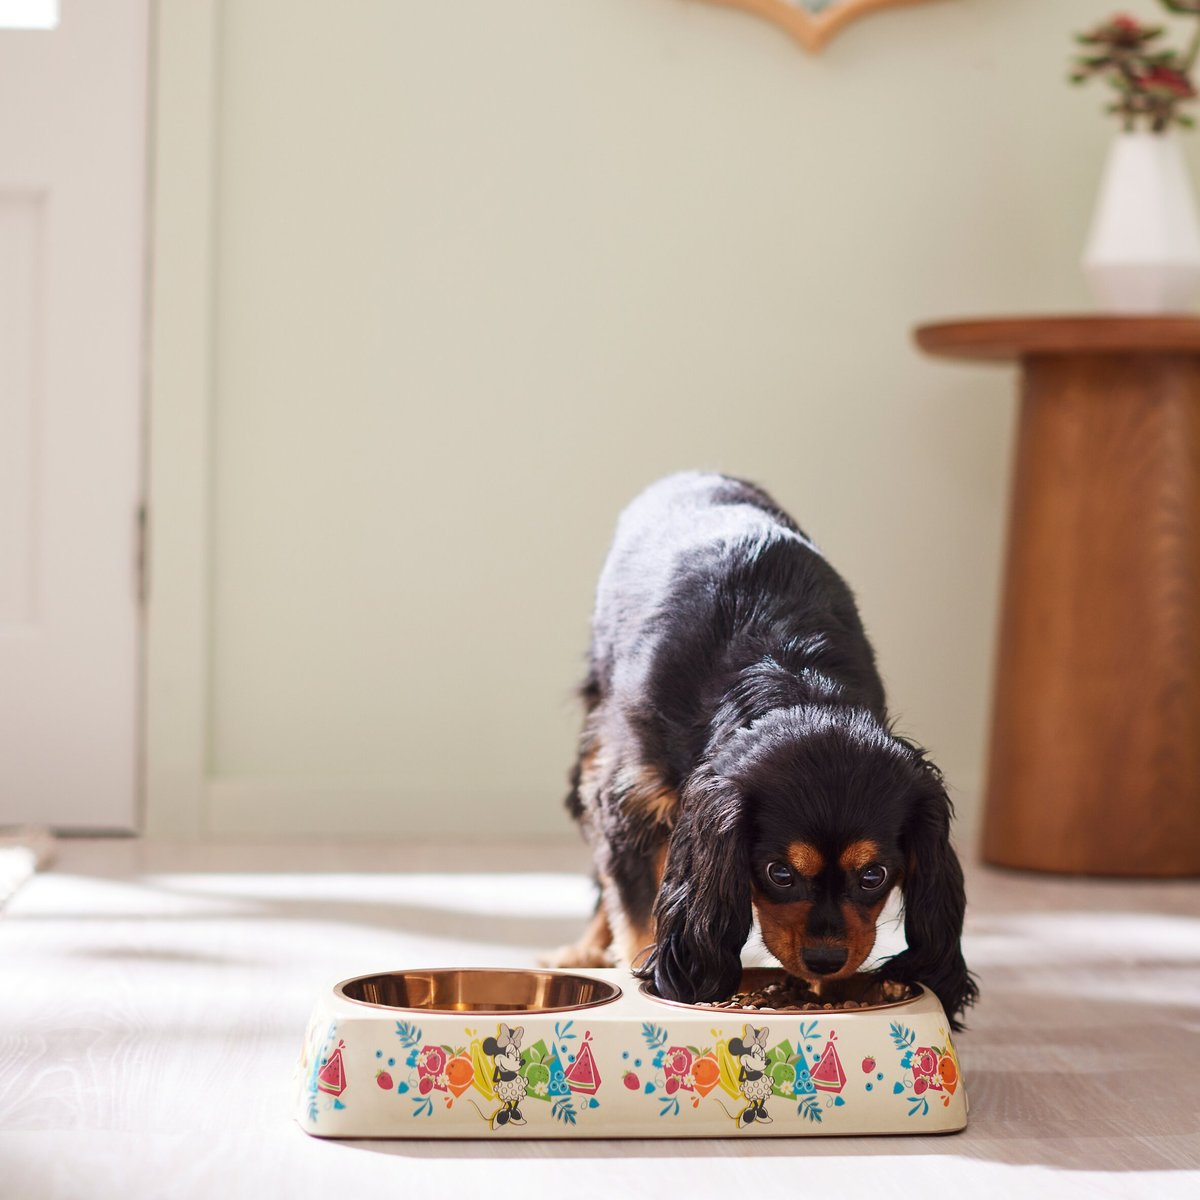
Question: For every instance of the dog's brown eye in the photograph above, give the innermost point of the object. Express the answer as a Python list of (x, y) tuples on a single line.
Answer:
[(872, 878), (780, 875)]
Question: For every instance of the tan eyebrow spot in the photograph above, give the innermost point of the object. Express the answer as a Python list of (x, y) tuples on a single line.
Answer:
[(806, 859), (858, 855)]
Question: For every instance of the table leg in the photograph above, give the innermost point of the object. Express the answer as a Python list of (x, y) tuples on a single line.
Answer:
[(1095, 752)]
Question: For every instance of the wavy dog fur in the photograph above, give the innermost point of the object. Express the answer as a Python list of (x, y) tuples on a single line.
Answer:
[(736, 735)]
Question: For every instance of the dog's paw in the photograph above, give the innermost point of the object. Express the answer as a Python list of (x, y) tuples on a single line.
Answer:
[(578, 954)]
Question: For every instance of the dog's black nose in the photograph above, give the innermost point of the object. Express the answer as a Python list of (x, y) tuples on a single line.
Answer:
[(824, 960)]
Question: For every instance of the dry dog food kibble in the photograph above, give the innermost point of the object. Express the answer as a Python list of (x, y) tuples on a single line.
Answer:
[(790, 994)]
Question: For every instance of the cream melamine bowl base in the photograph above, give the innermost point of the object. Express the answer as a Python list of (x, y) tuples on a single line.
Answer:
[(576, 1054)]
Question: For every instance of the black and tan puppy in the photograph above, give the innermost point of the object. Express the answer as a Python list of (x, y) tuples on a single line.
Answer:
[(736, 757)]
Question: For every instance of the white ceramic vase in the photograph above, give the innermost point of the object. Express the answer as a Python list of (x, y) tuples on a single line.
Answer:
[(1143, 250)]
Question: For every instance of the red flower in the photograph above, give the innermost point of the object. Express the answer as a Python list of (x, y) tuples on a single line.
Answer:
[(1168, 79), (1122, 32)]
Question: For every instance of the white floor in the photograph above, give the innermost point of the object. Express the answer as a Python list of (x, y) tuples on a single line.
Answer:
[(152, 998)]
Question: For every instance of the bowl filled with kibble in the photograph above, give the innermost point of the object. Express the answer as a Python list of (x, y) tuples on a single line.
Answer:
[(768, 989), (450, 1053)]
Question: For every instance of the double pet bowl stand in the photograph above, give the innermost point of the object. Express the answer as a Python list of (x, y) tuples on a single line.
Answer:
[(547, 1054)]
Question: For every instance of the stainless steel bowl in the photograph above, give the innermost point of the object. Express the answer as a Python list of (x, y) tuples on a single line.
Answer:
[(479, 990)]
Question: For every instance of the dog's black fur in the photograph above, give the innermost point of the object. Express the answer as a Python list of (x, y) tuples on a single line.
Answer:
[(734, 713)]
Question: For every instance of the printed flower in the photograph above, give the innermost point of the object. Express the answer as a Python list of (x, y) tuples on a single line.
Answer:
[(540, 1088)]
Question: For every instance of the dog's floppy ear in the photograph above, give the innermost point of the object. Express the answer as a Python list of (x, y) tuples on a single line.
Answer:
[(703, 913), (934, 901)]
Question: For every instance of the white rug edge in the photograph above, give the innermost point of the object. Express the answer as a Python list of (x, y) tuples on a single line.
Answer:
[(22, 853)]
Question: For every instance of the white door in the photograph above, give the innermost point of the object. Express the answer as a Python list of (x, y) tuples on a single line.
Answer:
[(72, 262)]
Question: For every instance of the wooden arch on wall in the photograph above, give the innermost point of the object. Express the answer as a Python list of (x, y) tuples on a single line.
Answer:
[(812, 24)]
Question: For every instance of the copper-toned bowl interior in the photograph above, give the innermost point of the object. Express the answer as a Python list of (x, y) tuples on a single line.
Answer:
[(856, 988), (479, 991)]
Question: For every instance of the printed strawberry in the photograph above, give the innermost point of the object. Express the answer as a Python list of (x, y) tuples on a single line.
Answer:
[(384, 1080)]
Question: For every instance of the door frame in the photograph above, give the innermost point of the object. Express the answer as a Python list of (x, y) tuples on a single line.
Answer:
[(183, 243)]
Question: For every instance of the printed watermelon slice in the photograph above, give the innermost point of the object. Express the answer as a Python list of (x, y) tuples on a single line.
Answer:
[(331, 1077), (828, 1074), (582, 1075)]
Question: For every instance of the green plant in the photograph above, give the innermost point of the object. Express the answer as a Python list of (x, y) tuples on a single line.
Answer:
[(1152, 83)]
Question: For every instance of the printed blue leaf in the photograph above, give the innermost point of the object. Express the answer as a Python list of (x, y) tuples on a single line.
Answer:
[(654, 1035), (409, 1035)]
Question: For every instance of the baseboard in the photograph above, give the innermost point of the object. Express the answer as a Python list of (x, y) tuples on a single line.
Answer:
[(236, 808)]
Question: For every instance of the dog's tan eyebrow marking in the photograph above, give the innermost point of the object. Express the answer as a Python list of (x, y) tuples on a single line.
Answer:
[(806, 859), (858, 855)]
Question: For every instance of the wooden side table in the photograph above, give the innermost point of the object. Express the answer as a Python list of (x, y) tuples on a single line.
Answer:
[(1095, 745)]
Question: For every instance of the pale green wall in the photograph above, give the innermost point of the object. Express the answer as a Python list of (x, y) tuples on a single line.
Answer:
[(483, 269)]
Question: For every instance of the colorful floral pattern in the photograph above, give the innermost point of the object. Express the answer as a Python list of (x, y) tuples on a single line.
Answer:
[(796, 1076), (804, 1068), (927, 1069), (559, 1071)]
